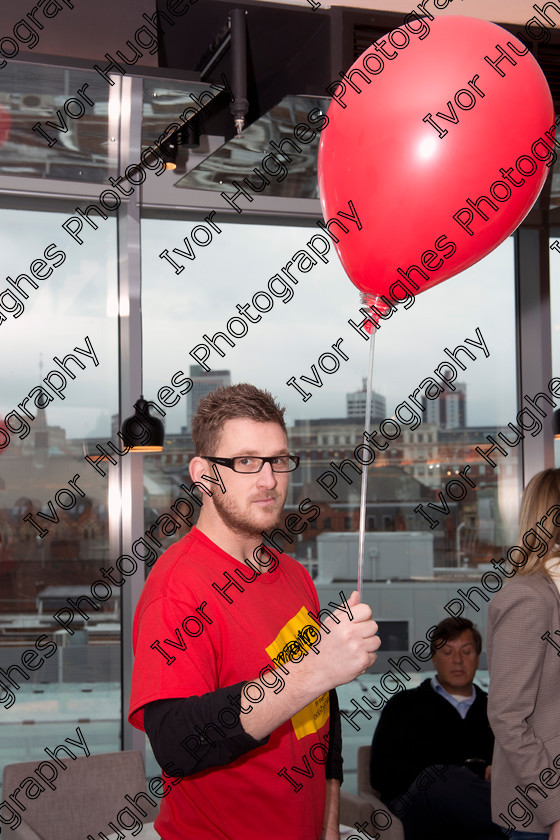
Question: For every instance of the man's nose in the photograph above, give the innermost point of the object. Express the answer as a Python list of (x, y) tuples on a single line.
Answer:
[(267, 478)]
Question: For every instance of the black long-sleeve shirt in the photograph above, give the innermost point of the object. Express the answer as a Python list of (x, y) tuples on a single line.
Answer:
[(169, 722), (418, 728)]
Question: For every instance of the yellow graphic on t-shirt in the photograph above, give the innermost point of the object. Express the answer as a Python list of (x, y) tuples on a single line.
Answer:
[(294, 641)]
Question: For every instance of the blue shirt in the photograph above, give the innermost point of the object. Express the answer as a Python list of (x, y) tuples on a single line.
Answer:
[(462, 706)]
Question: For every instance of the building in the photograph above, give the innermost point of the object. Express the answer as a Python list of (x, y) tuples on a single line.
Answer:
[(449, 411), (356, 405), (204, 382)]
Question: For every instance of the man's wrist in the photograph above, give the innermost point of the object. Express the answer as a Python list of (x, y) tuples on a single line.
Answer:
[(299, 690)]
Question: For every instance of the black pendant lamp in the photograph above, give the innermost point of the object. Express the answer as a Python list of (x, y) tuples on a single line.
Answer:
[(168, 150), (142, 432)]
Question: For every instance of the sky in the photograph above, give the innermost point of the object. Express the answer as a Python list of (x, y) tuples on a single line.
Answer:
[(79, 299), (291, 337)]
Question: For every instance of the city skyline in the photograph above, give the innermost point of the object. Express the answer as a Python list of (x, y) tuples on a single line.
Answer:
[(204, 383)]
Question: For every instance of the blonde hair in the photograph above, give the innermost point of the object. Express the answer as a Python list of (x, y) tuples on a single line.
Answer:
[(541, 495)]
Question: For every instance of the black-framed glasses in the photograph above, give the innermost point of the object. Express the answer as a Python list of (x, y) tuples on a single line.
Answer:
[(254, 464)]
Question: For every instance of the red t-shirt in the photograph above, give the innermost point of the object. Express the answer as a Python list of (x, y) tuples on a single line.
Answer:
[(246, 799)]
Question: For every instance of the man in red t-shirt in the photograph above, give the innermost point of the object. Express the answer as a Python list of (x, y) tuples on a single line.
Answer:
[(235, 665)]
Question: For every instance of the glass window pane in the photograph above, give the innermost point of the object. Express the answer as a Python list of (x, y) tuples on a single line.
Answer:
[(52, 130), (250, 308), (238, 158), (58, 331)]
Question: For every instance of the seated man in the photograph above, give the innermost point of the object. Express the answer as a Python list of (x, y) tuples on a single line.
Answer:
[(427, 740)]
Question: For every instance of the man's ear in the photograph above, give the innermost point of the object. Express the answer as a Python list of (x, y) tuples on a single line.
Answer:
[(199, 472), (197, 467)]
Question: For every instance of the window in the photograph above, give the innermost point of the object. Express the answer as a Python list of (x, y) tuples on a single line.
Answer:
[(54, 504), (39, 573), (405, 477)]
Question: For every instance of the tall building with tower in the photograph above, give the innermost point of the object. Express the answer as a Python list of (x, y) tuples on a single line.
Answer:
[(356, 405), (449, 411), (204, 382)]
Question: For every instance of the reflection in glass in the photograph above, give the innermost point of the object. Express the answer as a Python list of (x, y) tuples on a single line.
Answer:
[(238, 158), (54, 121), (54, 130), (53, 505)]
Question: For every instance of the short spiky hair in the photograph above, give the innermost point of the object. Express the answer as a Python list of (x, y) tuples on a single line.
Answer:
[(231, 402)]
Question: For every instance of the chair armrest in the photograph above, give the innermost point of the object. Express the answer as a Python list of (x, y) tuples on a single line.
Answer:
[(24, 832), (359, 808)]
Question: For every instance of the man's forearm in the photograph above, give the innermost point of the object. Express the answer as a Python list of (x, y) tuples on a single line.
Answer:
[(331, 819), (301, 687), (187, 735)]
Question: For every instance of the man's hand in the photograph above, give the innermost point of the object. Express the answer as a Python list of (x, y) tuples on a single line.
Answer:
[(554, 831), (488, 773), (346, 649)]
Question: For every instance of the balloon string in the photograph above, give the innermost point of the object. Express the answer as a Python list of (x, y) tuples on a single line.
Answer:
[(363, 493)]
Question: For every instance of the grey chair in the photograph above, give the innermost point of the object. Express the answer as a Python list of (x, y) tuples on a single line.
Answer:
[(359, 808), (88, 795)]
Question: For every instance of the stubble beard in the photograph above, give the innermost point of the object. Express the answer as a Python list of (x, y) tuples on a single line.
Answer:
[(241, 524)]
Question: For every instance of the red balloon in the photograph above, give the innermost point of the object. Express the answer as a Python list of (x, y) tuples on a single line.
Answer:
[(5, 124), (438, 152)]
